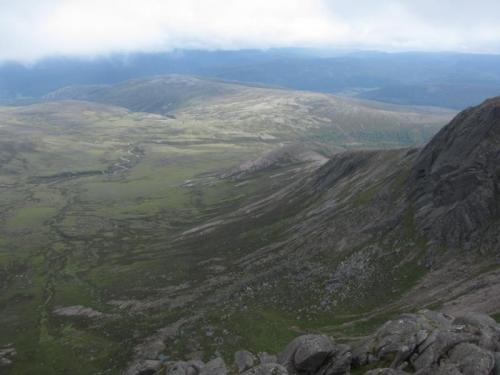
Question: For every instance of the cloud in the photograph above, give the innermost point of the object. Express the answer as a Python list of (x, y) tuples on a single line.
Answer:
[(31, 29)]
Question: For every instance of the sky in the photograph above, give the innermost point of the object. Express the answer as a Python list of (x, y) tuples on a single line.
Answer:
[(33, 29)]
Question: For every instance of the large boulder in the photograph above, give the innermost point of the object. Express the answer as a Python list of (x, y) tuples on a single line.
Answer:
[(306, 354)]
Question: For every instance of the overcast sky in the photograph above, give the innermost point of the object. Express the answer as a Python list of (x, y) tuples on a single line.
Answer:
[(31, 29)]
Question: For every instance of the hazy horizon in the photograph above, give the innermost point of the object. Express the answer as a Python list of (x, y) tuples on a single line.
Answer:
[(33, 30)]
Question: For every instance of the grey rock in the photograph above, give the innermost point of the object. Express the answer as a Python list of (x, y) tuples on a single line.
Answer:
[(267, 358), (244, 360), (425, 343), (306, 353), (484, 326), (339, 362), (438, 345), (472, 360), (397, 340), (267, 369), (434, 343), (214, 367)]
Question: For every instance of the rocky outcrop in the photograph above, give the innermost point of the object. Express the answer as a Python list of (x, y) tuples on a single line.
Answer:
[(434, 343), (424, 343), (455, 181)]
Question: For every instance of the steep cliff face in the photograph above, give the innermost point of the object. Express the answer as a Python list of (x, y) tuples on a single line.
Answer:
[(455, 183)]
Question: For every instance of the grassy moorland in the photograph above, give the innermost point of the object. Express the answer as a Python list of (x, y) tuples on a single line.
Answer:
[(98, 204)]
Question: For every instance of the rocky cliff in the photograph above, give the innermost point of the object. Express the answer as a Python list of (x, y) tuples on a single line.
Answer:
[(455, 182)]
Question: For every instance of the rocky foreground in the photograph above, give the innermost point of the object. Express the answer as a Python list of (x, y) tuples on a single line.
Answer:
[(424, 343)]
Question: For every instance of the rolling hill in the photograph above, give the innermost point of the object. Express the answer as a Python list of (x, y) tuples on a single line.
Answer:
[(224, 108)]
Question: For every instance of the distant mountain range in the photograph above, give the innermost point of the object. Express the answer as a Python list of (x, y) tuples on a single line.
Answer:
[(434, 79)]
